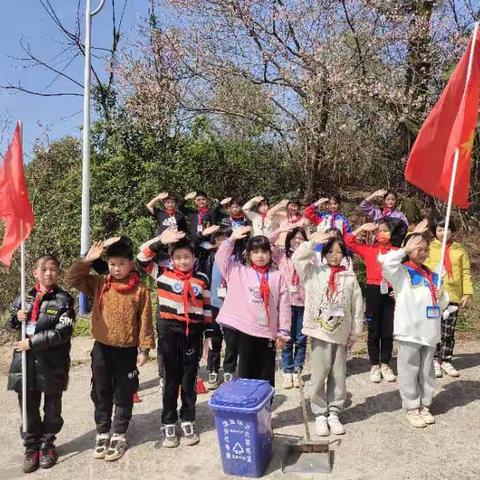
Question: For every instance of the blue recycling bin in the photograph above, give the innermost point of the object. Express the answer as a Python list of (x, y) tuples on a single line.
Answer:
[(242, 410)]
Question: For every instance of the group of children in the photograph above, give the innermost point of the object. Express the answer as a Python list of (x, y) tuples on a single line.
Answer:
[(259, 278)]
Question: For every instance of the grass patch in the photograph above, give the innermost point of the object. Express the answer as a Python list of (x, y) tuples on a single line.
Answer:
[(82, 327)]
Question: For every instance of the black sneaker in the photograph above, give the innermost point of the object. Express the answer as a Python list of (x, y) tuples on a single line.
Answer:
[(31, 461), (48, 456), (117, 447)]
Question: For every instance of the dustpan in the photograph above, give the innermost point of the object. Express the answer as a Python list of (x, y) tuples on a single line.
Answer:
[(306, 456)]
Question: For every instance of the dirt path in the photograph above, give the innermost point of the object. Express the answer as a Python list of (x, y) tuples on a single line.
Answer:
[(378, 444)]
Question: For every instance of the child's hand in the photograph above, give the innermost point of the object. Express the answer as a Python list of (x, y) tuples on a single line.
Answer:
[(258, 199), (190, 196), (226, 201), (320, 237), (95, 252), (142, 359), (281, 342), (239, 233), (162, 196), (466, 300), (22, 315), (369, 227), (210, 230), (169, 236), (322, 201), (22, 345), (422, 227), (207, 346), (110, 241), (379, 193), (412, 244), (284, 203)]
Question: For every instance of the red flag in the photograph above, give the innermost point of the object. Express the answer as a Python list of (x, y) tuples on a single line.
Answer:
[(450, 125), (15, 208)]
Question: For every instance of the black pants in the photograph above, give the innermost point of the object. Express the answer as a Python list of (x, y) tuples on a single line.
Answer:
[(114, 381), (231, 350), (181, 355), (213, 358), (257, 357), (41, 431), (380, 309)]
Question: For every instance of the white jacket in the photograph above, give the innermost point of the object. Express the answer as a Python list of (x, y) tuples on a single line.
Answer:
[(412, 297), (334, 321)]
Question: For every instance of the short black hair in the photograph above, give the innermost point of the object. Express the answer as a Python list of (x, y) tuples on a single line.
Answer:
[(328, 245), (258, 242), (391, 192), (184, 243), (171, 196), (440, 222), (295, 201), (222, 232), (47, 257), (290, 235), (201, 194), (235, 201), (123, 248), (264, 201), (335, 197)]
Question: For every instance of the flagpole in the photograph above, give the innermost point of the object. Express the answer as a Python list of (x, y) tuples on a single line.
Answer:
[(84, 234), (23, 307), (454, 167)]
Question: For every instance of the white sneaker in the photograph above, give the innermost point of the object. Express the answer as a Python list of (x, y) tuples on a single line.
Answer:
[(415, 419), (335, 426), (102, 441), (375, 375), (170, 439), (287, 381), (449, 369), (295, 379), (321, 426), (438, 369), (428, 418), (227, 377), (387, 373), (212, 383), (190, 435)]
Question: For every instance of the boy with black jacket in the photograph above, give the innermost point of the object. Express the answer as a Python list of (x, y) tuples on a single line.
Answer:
[(50, 317), (169, 216)]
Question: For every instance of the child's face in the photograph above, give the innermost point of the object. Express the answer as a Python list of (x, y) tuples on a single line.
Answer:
[(440, 232), (183, 260), (333, 205), (383, 234), (201, 201), (390, 201), (170, 204), (334, 256), (120, 267), (260, 257), (235, 210), (419, 255), (296, 241), (46, 273), (263, 207), (292, 209)]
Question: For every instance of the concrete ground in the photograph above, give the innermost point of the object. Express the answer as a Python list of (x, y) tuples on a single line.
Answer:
[(379, 444)]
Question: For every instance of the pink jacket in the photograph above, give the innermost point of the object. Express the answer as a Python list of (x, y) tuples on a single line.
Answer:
[(243, 308)]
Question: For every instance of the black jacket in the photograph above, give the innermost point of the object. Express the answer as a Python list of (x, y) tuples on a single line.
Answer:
[(208, 219), (164, 220), (48, 360)]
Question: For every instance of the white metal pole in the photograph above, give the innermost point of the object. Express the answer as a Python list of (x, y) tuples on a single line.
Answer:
[(85, 227)]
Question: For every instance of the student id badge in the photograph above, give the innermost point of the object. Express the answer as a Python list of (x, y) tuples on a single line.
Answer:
[(262, 316), (293, 289), (221, 292), (384, 287), (433, 312), (30, 329), (199, 228)]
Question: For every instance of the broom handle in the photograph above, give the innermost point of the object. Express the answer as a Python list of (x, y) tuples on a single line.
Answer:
[(304, 407)]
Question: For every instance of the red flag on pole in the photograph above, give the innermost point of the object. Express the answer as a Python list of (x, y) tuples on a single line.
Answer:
[(450, 125), (15, 208)]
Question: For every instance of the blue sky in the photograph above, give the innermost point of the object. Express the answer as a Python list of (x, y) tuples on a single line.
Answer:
[(49, 117)]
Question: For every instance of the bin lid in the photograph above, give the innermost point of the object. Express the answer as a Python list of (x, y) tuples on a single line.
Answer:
[(241, 393)]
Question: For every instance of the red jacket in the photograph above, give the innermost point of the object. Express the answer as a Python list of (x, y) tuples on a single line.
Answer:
[(369, 254)]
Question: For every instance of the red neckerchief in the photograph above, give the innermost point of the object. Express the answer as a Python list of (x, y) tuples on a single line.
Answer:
[(295, 219), (333, 216), (264, 287), (427, 275), (387, 211), (295, 278), (133, 281), (38, 300), (171, 212), (264, 216), (332, 285), (187, 291), (447, 262), (201, 213)]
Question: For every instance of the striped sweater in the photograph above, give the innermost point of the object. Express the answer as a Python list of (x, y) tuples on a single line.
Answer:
[(171, 310)]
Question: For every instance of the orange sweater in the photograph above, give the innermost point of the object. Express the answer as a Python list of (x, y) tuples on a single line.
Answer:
[(124, 319)]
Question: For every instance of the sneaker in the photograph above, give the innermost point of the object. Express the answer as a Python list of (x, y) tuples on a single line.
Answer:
[(170, 439), (102, 441), (116, 448), (375, 375), (190, 436), (415, 419), (48, 456), (387, 373), (335, 426), (295, 379), (31, 461), (227, 377), (321, 426), (212, 383), (438, 369), (449, 369), (428, 418), (287, 381)]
